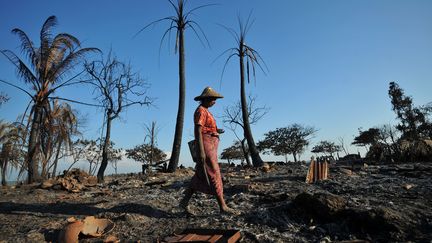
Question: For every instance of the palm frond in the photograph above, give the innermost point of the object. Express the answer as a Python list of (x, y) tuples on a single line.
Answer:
[(61, 44), (196, 8), (75, 101), (57, 72), (254, 55), (66, 39), (198, 36), (54, 57), (259, 59), (192, 23), (232, 32), (223, 53), (46, 38), (176, 7), (22, 69), (45, 33), (13, 85), (226, 63), (253, 58), (27, 46), (172, 18), (168, 31), (248, 24)]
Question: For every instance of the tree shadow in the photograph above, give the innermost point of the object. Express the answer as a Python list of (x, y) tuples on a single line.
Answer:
[(81, 209), (77, 209)]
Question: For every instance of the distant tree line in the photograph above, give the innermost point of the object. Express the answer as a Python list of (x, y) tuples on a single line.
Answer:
[(409, 140)]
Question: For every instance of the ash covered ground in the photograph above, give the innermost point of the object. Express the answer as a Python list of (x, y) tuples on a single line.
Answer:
[(372, 203)]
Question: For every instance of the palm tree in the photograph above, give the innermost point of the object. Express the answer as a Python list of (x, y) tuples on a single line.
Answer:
[(49, 65), (64, 125), (180, 22), (243, 51), (3, 160), (11, 154)]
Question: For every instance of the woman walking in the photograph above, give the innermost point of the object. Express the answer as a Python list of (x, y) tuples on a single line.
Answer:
[(207, 178)]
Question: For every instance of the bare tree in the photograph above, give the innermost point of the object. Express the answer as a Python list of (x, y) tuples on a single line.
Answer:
[(152, 132), (87, 150), (233, 118), (118, 88), (343, 145), (252, 58), (179, 23)]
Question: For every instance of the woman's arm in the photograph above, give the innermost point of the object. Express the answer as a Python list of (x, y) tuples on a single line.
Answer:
[(200, 143)]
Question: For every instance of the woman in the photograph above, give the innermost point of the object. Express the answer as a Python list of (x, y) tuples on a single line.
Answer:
[(207, 177)]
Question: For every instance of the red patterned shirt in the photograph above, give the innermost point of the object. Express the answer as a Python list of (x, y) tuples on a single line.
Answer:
[(205, 119)]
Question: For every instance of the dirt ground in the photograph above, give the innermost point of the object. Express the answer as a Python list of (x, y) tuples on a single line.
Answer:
[(372, 203)]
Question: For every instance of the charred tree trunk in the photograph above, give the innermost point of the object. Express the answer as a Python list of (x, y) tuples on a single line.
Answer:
[(32, 163), (104, 163), (175, 154), (152, 142), (3, 171), (295, 156), (46, 143), (4, 161), (256, 159), (56, 159), (245, 152), (46, 158)]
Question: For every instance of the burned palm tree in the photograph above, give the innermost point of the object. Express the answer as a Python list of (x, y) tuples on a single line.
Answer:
[(11, 154), (179, 23), (64, 125), (49, 65), (253, 59)]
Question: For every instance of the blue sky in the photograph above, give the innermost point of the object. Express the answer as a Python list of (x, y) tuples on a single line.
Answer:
[(329, 62)]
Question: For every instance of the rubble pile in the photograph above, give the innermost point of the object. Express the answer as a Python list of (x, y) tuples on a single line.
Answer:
[(74, 180)]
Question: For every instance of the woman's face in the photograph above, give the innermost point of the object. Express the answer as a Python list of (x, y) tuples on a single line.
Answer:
[(208, 102)]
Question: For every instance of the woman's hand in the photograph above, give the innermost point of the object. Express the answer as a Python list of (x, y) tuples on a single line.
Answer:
[(202, 156)]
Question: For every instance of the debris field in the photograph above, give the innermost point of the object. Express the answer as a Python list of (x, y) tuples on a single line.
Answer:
[(362, 203)]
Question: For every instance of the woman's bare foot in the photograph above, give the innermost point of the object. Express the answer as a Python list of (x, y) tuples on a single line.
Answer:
[(228, 210), (185, 208)]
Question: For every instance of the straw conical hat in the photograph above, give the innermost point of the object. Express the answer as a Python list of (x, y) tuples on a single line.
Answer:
[(208, 93)]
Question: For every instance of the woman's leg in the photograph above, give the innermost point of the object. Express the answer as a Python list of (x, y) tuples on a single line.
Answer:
[(186, 198), (221, 202), (223, 207)]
